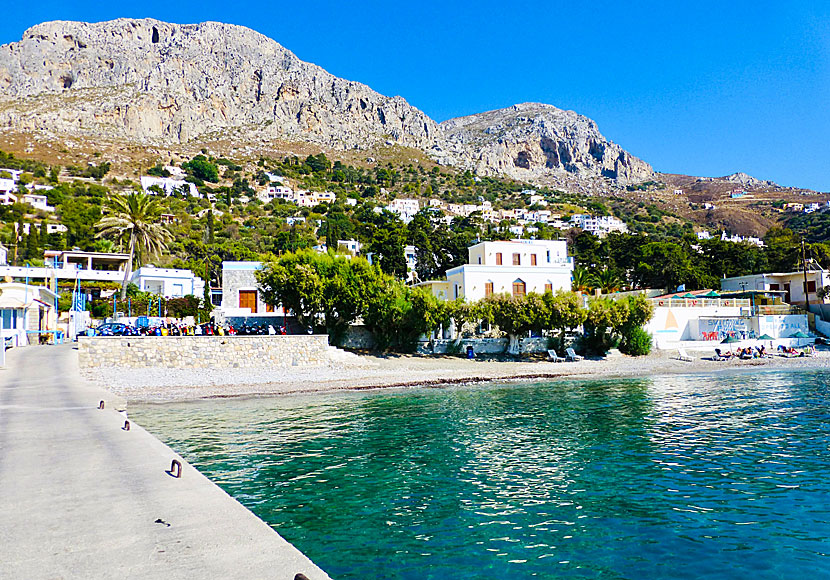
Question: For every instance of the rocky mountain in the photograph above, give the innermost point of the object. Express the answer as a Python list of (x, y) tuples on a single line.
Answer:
[(533, 141), (152, 82), (745, 180)]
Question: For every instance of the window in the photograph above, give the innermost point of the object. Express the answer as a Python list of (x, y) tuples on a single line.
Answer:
[(519, 288), (774, 287), (479, 259), (488, 289), (811, 286), (498, 259), (548, 287), (269, 308), (247, 299), (517, 259), (532, 259)]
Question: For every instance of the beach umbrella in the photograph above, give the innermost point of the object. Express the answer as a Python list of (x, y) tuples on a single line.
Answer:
[(799, 334), (765, 337), (729, 340), (688, 295), (711, 294)]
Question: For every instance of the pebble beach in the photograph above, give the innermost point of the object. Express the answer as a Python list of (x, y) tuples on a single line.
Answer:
[(162, 385)]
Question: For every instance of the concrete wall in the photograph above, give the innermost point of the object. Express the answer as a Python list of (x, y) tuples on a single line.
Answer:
[(203, 351), (673, 324)]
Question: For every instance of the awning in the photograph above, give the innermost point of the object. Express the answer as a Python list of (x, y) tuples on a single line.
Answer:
[(12, 302)]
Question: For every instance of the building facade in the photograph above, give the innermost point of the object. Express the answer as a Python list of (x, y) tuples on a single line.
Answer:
[(25, 311), (515, 267), (789, 284), (168, 282)]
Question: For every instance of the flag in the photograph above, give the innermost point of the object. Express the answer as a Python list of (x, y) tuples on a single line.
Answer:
[(681, 288)]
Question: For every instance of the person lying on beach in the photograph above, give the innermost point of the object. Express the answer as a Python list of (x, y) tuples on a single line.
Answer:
[(722, 355)]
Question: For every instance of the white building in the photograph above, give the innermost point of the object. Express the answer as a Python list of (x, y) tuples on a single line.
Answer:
[(25, 312), (50, 228), (600, 226), (107, 267), (273, 192), (168, 282), (7, 187), (516, 267), (38, 201), (351, 246), (241, 295), (404, 208), (168, 185), (790, 284)]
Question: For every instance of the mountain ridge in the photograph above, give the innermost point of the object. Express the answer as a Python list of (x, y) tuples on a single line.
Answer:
[(150, 81)]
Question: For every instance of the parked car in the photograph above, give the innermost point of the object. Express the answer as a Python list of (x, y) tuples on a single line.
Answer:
[(111, 329)]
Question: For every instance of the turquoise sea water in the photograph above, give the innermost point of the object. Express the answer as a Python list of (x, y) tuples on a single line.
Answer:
[(712, 476)]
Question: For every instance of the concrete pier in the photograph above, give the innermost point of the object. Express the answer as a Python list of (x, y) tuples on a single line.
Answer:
[(80, 497)]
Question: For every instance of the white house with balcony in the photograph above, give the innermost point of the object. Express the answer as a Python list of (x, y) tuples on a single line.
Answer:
[(107, 267), (405, 209), (168, 282), (600, 226), (789, 284), (73, 265), (272, 192), (515, 267)]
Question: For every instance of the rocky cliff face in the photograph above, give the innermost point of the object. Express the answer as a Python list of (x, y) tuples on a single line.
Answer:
[(533, 141), (153, 82), (150, 80)]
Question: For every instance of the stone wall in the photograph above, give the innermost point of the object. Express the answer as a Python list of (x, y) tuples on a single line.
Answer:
[(486, 345), (203, 351)]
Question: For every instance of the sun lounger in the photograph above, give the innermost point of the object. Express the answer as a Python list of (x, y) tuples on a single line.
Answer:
[(571, 355), (683, 356), (719, 356), (555, 357)]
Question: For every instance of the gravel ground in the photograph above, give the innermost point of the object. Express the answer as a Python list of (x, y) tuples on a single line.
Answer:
[(159, 385)]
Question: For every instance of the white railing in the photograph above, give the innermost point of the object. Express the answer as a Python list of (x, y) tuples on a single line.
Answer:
[(701, 302)]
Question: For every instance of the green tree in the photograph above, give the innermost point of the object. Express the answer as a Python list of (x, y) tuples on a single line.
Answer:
[(202, 168), (516, 316), (397, 315), (133, 216), (565, 313), (320, 289)]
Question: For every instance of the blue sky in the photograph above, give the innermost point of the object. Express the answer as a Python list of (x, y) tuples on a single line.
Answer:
[(706, 89)]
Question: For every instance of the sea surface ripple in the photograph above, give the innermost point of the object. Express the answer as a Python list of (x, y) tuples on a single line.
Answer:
[(675, 477)]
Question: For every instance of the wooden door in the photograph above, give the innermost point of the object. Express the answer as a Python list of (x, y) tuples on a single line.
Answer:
[(247, 299)]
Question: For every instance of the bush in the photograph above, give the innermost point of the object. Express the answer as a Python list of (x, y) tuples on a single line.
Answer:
[(636, 343)]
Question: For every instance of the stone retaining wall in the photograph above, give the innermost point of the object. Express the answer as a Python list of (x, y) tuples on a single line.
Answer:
[(203, 351)]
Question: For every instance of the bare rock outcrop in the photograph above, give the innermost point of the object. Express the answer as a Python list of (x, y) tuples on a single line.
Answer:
[(154, 81), (151, 82), (746, 180), (532, 140)]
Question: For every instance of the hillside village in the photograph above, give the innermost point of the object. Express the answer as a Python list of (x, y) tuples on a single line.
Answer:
[(418, 223)]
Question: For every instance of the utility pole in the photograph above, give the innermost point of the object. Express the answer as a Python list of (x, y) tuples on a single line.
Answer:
[(804, 266)]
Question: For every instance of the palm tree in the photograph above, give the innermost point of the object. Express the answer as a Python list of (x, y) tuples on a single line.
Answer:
[(581, 280), (134, 215), (608, 281)]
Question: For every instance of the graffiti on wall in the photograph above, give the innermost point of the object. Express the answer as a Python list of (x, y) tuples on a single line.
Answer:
[(721, 328)]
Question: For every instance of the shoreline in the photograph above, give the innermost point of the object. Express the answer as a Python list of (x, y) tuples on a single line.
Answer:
[(161, 386)]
